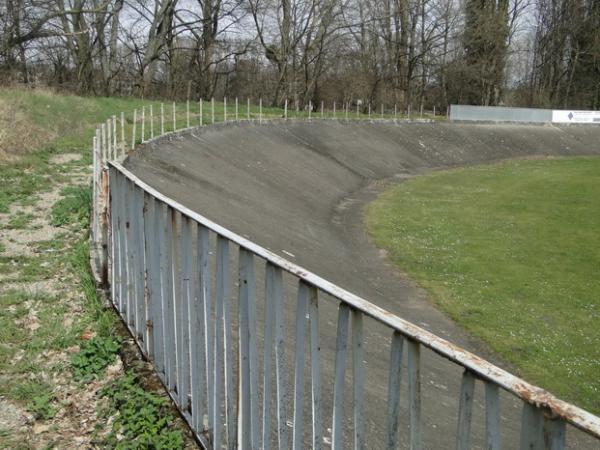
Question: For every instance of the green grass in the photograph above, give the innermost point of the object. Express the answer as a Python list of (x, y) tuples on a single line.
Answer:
[(511, 252), (73, 208)]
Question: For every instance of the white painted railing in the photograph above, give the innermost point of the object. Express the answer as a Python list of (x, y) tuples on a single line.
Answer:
[(169, 274)]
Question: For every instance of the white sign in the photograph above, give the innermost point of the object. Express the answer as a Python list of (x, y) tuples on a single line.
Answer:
[(570, 116)]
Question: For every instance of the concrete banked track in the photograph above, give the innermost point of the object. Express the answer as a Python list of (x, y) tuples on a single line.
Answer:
[(299, 188)]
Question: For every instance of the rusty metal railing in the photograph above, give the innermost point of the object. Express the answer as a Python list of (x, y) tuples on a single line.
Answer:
[(170, 274)]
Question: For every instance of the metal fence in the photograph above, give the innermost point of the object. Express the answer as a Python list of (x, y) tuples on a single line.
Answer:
[(172, 276)]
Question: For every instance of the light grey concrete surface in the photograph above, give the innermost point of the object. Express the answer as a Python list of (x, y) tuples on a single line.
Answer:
[(299, 189)]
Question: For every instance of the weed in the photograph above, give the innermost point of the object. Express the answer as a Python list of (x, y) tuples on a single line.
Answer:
[(144, 420), (19, 221), (41, 407), (93, 357), (73, 208)]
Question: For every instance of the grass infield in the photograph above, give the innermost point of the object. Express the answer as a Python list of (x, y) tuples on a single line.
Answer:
[(511, 252)]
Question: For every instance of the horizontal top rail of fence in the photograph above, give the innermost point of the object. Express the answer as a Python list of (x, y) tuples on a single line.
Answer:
[(157, 262)]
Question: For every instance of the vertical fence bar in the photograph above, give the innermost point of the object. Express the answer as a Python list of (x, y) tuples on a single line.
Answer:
[(554, 433), (187, 113), (315, 364), (358, 375), (248, 420), (123, 144), (236, 109), (309, 109), (174, 117), (273, 292), (204, 286), (129, 248), (212, 109), (185, 298), (297, 438), (140, 281), (133, 129), (199, 387), (285, 109), (347, 108), (224, 283), (395, 110), (334, 109), (143, 123), (248, 107), (109, 151), (382, 110), (492, 417), (341, 349), (151, 122), (260, 110), (103, 142), (465, 412), (220, 365), (169, 335), (224, 109), (152, 257), (369, 110), (414, 388), (176, 305), (282, 433), (162, 119), (322, 108), (394, 382), (200, 112), (274, 339), (121, 211), (114, 231), (532, 428), (114, 133)]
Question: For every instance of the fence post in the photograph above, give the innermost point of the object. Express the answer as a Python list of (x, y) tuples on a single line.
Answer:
[(322, 108), (108, 139), (248, 107), (260, 110), (224, 109), (212, 109), (347, 108), (334, 109), (382, 110), (151, 123), (143, 123), (309, 109), (133, 130), (123, 144), (285, 109), (200, 107), (236, 110), (187, 113), (174, 117), (115, 143)]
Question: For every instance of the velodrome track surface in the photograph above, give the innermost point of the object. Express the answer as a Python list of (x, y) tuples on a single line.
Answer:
[(298, 188)]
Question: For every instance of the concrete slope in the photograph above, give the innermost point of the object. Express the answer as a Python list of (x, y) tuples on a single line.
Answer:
[(299, 188)]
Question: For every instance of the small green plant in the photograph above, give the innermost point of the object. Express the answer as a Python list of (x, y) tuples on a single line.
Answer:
[(41, 406), (144, 421), (19, 221), (74, 207), (93, 357)]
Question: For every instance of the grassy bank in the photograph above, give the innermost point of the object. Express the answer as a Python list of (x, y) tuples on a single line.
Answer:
[(512, 253), (62, 384)]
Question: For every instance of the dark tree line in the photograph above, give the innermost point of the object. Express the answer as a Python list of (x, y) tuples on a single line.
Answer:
[(413, 53)]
